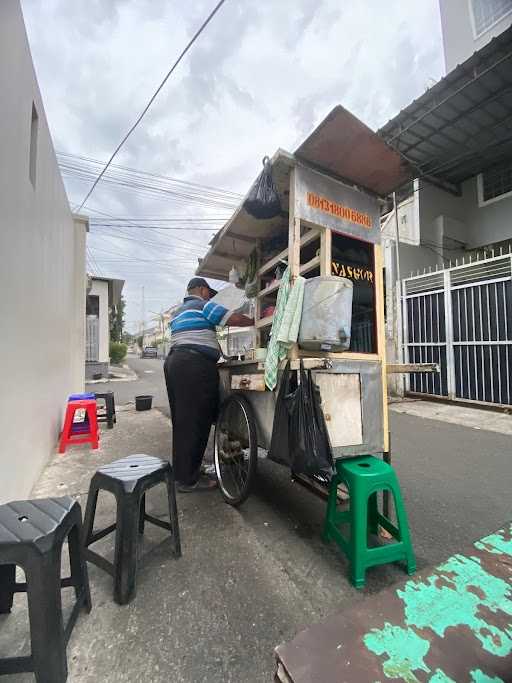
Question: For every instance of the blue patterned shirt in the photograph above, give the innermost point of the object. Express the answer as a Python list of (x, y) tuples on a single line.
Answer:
[(193, 325)]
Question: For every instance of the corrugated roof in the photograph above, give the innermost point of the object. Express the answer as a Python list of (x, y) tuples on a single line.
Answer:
[(463, 124)]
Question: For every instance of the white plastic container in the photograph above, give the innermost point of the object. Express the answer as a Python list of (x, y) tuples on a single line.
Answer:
[(326, 314)]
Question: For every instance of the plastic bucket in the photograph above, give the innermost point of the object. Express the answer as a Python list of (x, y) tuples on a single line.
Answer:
[(143, 402)]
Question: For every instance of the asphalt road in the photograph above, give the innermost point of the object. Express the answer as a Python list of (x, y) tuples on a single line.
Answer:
[(253, 577), (456, 480), (150, 372)]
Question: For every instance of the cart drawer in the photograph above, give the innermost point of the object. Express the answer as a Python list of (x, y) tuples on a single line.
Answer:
[(255, 382)]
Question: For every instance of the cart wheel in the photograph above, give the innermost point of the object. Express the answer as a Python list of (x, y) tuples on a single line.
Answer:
[(236, 449)]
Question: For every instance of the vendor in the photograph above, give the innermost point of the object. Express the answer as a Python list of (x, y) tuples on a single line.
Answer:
[(192, 379)]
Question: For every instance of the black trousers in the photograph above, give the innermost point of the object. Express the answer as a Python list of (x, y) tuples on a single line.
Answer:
[(192, 381)]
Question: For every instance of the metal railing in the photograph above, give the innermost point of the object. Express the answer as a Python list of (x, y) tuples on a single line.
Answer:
[(461, 318), (92, 343)]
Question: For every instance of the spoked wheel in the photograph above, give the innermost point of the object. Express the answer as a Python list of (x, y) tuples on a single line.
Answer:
[(236, 449)]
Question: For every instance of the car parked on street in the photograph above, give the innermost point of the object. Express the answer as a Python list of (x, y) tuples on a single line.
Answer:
[(149, 352)]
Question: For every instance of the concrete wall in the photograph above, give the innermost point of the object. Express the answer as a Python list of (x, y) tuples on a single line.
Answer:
[(459, 40), (100, 289), (451, 225), (42, 275), (489, 223)]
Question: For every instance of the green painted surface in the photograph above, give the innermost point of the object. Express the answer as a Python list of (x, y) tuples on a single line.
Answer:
[(457, 595), (440, 677), (428, 605), (478, 676), (405, 651), (496, 544)]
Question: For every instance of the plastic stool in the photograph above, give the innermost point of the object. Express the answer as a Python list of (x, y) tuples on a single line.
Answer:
[(365, 476), (108, 413), (129, 479), (87, 432), (32, 533)]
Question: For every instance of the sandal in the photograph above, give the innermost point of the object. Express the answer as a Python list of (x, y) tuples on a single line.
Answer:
[(204, 483)]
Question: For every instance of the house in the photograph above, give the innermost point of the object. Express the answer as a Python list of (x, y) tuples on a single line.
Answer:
[(449, 296), (103, 296), (42, 272), (468, 25)]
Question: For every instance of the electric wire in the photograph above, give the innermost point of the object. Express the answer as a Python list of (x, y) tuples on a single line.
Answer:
[(152, 99)]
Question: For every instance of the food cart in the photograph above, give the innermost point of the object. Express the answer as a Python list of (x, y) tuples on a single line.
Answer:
[(329, 225)]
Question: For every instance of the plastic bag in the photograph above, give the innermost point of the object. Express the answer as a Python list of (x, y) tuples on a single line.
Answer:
[(230, 297), (279, 449), (263, 198), (308, 440)]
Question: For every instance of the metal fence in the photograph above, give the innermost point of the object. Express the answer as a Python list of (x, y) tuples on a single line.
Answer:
[(461, 318), (92, 338)]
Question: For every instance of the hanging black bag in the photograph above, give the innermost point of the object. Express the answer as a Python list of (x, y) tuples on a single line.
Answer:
[(263, 198), (308, 440), (279, 448)]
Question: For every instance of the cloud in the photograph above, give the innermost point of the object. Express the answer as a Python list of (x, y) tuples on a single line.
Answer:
[(261, 76)]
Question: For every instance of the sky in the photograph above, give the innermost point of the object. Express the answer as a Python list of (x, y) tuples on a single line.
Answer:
[(262, 75)]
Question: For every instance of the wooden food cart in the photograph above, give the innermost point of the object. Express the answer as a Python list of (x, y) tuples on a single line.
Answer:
[(328, 226)]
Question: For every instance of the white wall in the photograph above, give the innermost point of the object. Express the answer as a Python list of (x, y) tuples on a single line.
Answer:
[(459, 41), (42, 275), (100, 289), (486, 224), (448, 222)]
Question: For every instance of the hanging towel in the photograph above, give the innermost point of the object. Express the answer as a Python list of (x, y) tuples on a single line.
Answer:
[(285, 325)]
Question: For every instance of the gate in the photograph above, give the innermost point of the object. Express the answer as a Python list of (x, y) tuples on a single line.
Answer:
[(461, 318), (92, 340)]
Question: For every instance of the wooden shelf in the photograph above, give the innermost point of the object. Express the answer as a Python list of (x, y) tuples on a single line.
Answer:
[(273, 262), (269, 290), (310, 265), (305, 239), (264, 322)]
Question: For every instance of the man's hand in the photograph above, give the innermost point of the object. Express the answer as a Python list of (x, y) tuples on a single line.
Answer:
[(239, 320)]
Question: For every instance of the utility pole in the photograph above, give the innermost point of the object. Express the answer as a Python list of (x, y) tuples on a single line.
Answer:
[(143, 315)]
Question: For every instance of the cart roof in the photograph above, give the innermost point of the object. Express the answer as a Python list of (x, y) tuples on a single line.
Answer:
[(341, 147)]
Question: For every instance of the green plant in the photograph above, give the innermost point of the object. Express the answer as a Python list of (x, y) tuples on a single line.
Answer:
[(117, 351), (116, 320)]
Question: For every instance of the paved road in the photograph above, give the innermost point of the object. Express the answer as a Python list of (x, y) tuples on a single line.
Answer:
[(253, 577), (456, 480), (151, 381)]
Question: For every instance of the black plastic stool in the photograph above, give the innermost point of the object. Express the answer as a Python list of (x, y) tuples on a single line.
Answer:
[(108, 412), (32, 533), (129, 479)]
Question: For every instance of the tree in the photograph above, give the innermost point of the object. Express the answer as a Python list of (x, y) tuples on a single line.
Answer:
[(116, 321)]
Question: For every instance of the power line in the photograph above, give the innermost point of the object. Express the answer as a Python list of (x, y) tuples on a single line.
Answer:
[(139, 119), (76, 165)]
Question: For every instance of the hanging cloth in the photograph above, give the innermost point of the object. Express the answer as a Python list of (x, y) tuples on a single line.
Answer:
[(285, 325)]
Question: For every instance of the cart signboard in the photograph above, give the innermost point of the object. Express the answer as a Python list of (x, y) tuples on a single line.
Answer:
[(326, 202)]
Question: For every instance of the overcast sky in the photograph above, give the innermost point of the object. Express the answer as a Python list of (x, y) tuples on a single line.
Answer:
[(262, 76)]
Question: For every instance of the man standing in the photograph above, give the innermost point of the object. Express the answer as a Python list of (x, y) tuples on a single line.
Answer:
[(192, 379)]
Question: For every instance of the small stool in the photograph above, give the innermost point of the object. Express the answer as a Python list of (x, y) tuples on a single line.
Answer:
[(129, 479), (85, 432), (365, 476), (32, 533), (108, 412)]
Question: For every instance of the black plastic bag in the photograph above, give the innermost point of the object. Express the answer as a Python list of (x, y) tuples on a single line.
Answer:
[(263, 198), (308, 440), (279, 448)]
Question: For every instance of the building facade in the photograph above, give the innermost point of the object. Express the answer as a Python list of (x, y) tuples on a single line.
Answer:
[(448, 285), (42, 272), (468, 25), (103, 296)]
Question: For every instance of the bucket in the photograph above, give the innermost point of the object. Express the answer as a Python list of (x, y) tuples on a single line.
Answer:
[(143, 402)]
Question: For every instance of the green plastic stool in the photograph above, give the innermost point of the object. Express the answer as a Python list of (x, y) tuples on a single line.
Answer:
[(365, 476)]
